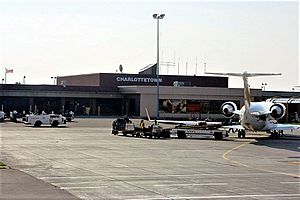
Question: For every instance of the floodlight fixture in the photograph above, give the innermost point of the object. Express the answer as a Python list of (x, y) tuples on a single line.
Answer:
[(161, 16)]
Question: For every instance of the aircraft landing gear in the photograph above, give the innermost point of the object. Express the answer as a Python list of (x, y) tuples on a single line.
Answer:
[(241, 133), (277, 134)]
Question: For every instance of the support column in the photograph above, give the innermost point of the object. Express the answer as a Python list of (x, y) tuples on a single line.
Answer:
[(31, 104), (62, 105), (94, 108)]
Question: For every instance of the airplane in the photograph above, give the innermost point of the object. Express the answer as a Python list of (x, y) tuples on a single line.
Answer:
[(255, 116), (201, 123)]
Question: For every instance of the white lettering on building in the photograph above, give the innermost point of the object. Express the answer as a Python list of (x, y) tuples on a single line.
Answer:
[(138, 80)]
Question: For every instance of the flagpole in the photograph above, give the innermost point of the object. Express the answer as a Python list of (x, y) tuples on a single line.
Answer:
[(5, 77)]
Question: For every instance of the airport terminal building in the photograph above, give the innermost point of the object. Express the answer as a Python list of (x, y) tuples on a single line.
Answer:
[(118, 94)]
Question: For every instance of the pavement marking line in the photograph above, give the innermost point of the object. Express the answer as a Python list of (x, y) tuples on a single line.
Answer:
[(67, 177), (191, 184), (148, 176), (290, 182), (224, 196), (229, 151), (250, 167), (87, 187), (74, 183)]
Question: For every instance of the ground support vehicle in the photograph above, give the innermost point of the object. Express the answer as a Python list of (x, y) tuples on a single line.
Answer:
[(69, 116), (123, 125), (44, 119), (14, 115), (153, 131), (182, 133)]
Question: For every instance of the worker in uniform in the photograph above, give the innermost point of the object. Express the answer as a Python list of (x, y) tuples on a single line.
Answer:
[(142, 125)]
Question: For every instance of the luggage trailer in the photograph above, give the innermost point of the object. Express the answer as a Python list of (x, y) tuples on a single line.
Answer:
[(190, 132)]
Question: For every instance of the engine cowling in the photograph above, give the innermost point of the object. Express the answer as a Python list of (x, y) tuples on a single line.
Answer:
[(228, 108), (277, 110)]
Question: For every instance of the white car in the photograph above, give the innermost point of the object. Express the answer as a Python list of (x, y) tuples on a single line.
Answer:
[(44, 119)]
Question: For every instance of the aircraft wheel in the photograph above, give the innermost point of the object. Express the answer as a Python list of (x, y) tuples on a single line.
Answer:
[(243, 133), (281, 133), (239, 134), (275, 135)]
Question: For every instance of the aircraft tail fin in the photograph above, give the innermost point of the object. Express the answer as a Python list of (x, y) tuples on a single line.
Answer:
[(245, 75)]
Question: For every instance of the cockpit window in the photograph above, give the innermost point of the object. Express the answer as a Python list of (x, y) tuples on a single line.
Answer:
[(262, 117)]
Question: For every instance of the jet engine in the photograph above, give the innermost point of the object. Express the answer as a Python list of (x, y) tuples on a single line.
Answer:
[(228, 108), (277, 110)]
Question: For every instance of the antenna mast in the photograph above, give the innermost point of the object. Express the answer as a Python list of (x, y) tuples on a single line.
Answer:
[(178, 65), (196, 67)]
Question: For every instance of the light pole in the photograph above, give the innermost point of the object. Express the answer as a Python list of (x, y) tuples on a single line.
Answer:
[(157, 17), (24, 79)]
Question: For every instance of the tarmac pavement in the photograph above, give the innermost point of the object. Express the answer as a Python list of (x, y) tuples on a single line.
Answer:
[(17, 185), (84, 160)]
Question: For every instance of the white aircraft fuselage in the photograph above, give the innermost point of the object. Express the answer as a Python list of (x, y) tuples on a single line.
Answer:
[(256, 122)]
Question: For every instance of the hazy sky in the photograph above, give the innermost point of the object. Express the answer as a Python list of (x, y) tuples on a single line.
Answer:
[(44, 38)]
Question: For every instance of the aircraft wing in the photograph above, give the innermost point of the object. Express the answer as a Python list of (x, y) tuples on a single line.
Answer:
[(234, 127), (279, 127)]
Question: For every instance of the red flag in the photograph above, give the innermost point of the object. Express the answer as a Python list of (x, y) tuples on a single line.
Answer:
[(8, 71)]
